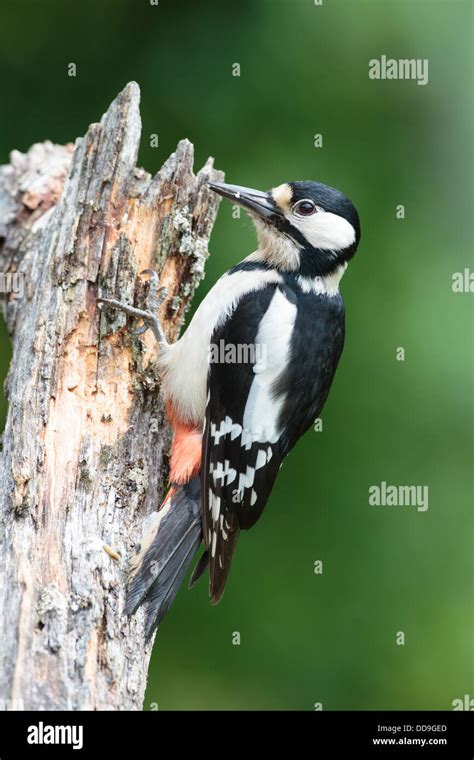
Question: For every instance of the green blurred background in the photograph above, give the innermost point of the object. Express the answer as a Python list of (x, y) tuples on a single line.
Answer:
[(308, 638)]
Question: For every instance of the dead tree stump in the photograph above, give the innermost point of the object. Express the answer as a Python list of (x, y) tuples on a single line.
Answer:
[(84, 458)]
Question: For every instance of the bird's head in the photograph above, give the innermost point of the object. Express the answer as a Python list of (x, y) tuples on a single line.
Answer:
[(301, 226)]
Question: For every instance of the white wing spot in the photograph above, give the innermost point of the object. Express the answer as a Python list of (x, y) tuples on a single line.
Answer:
[(246, 478), (226, 426), (214, 541), (215, 505), (229, 472), (224, 473)]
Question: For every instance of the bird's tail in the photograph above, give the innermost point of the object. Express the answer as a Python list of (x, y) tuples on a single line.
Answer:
[(165, 554)]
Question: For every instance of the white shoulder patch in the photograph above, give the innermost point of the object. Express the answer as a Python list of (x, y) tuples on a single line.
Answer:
[(185, 363), (274, 338)]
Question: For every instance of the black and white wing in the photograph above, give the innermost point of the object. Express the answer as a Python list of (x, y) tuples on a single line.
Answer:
[(241, 444)]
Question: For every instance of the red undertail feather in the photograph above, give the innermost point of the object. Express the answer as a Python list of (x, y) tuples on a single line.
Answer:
[(186, 449)]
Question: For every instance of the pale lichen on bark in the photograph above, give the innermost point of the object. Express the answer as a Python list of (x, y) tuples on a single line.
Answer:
[(84, 460)]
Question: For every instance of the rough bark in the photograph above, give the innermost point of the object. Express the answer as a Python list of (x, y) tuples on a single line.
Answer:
[(85, 447)]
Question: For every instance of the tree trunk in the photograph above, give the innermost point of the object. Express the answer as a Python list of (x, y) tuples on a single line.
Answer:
[(85, 448)]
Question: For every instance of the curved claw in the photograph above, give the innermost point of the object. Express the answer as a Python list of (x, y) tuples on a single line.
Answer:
[(139, 330), (161, 295), (155, 298), (156, 295)]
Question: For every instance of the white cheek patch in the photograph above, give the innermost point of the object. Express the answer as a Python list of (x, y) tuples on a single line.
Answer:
[(325, 230)]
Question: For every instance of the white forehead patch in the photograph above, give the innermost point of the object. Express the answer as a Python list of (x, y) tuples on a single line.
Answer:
[(282, 196), (325, 230)]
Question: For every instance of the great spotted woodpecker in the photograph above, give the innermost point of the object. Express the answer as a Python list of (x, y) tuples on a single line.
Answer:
[(235, 421)]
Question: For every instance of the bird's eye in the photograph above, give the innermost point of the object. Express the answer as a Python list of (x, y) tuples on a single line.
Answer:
[(305, 208)]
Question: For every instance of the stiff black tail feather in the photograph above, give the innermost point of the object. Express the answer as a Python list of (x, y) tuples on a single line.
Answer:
[(166, 554), (199, 569)]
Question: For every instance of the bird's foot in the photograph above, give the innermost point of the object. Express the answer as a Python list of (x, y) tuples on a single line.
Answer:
[(155, 298)]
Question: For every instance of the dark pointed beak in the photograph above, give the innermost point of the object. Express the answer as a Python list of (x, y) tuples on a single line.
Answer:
[(252, 200)]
